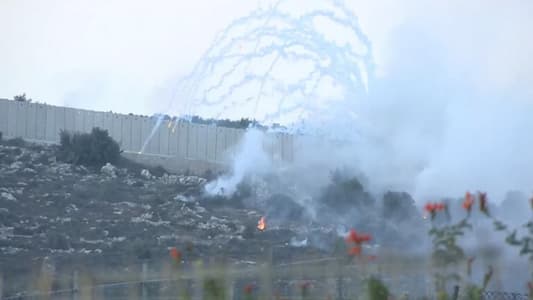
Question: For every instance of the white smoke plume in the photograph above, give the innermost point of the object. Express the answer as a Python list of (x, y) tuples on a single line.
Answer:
[(250, 158)]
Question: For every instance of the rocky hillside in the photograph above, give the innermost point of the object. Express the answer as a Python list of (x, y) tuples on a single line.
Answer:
[(115, 215)]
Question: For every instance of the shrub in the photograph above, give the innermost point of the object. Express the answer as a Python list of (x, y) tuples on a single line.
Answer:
[(345, 192), (22, 98), (93, 149), (15, 142), (377, 290)]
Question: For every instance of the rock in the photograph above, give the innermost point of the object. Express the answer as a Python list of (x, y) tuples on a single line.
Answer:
[(8, 196), (16, 165), (169, 179), (29, 170), (109, 170), (200, 209), (191, 180), (183, 199), (146, 174), (130, 181)]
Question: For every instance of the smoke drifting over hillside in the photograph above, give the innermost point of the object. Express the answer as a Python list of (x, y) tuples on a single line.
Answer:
[(424, 127)]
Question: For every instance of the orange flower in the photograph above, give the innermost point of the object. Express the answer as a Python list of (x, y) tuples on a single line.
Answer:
[(355, 251), (175, 254), (433, 208), (365, 238), (356, 240), (430, 207), (249, 288), (468, 202), (354, 237)]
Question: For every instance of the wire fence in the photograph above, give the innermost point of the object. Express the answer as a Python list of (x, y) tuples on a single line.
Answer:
[(322, 279)]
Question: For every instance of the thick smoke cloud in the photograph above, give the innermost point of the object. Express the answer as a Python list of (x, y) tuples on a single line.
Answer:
[(424, 126)]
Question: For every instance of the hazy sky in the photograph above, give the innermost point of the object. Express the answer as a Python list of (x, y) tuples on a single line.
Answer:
[(118, 54)]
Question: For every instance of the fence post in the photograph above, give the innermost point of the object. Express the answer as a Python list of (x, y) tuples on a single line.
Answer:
[(340, 288), (144, 277), (455, 292), (1, 286), (75, 285)]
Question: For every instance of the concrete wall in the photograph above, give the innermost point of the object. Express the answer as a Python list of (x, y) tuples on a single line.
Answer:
[(178, 146)]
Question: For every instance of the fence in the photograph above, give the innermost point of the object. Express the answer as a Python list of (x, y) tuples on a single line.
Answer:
[(319, 279), (185, 144)]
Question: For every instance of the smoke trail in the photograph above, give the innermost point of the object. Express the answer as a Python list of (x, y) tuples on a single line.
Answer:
[(250, 155), (278, 66), (158, 122)]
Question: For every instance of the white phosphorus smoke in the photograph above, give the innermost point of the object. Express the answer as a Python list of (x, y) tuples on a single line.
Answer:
[(251, 156), (159, 120), (277, 65), (422, 128)]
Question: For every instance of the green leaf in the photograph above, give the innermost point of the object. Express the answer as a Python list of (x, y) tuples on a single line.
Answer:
[(512, 240), (499, 226)]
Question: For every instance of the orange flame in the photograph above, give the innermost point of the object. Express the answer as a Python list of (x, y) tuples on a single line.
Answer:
[(261, 225)]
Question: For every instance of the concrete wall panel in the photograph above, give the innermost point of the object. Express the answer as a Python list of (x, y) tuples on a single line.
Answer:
[(40, 130), (183, 137), (12, 120), (237, 135), (31, 122), (164, 138), (22, 111), (116, 128), (173, 139), (127, 120), (70, 119), (192, 146), (201, 141), (220, 144), (229, 139), (136, 134), (89, 120), (99, 119), (50, 133), (154, 143), (4, 115), (286, 147), (108, 122), (211, 143), (145, 131), (79, 120), (59, 121), (276, 146)]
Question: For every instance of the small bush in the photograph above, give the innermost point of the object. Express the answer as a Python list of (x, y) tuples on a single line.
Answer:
[(15, 142), (377, 290), (22, 98), (93, 149)]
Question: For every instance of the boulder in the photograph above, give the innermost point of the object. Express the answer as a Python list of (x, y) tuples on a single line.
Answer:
[(109, 170), (8, 196), (146, 174)]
